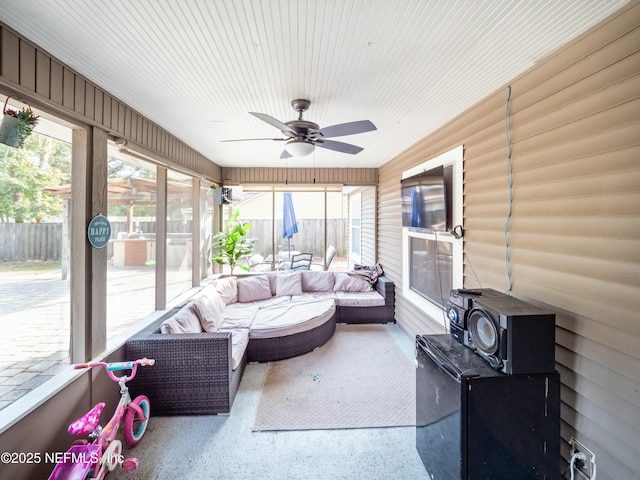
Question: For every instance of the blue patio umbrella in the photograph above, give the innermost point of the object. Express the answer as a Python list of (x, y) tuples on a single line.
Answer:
[(289, 224)]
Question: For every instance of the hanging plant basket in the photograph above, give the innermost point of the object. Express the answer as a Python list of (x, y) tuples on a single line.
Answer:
[(16, 125)]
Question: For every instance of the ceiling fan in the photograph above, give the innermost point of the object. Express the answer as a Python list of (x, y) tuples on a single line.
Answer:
[(303, 136)]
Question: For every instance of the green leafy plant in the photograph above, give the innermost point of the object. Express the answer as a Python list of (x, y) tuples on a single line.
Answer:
[(232, 244)]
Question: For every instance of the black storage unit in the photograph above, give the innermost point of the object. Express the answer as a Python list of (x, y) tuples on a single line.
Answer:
[(474, 422)]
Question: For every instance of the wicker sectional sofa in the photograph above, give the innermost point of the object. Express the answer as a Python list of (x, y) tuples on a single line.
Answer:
[(202, 348)]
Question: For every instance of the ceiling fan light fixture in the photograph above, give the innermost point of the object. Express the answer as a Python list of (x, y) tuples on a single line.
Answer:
[(302, 136), (299, 148)]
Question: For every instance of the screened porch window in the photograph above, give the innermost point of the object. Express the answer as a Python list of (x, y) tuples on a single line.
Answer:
[(321, 216)]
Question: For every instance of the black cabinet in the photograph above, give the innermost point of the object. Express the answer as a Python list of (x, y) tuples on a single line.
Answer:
[(473, 422)]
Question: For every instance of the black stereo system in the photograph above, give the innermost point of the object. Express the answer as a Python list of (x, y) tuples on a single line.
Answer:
[(460, 304), (513, 336)]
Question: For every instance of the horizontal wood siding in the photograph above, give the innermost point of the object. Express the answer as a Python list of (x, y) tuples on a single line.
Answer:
[(33, 76), (574, 234), (275, 176)]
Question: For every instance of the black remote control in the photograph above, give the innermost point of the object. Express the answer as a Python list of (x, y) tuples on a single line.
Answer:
[(470, 291)]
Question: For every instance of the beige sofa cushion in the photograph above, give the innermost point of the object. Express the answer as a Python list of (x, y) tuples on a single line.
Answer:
[(272, 277), (313, 281), (289, 284), (308, 296), (347, 283), (211, 292), (253, 288), (299, 315), (227, 288), (265, 303), (239, 342), (208, 307), (184, 320), (359, 299), (238, 315)]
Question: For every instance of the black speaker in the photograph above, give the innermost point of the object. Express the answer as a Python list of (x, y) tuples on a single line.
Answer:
[(514, 336), (458, 308)]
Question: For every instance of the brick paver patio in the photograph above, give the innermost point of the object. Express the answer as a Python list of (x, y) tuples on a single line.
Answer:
[(35, 320)]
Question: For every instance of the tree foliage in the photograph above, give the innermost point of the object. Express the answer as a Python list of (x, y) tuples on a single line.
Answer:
[(25, 174)]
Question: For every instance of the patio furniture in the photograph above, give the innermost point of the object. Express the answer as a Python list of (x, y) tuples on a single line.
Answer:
[(301, 261), (195, 374), (320, 263), (264, 317), (257, 263)]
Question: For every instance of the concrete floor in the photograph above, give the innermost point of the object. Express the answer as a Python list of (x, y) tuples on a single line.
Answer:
[(35, 322), (225, 448)]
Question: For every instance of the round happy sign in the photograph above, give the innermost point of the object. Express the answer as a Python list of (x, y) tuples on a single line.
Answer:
[(99, 231)]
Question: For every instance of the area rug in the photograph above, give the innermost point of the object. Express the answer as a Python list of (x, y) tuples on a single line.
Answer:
[(358, 379)]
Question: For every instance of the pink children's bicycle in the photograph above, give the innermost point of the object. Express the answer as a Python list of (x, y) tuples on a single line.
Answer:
[(102, 452)]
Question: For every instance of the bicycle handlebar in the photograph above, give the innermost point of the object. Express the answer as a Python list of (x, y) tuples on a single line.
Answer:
[(111, 367)]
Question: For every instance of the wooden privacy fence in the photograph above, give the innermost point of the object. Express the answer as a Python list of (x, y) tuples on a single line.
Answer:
[(30, 241), (310, 236), (21, 242)]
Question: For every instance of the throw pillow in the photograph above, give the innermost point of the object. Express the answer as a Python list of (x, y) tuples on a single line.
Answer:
[(317, 281), (227, 288), (253, 288), (211, 292), (209, 313), (272, 276), (184, 321), (288, 284), (347, 283)]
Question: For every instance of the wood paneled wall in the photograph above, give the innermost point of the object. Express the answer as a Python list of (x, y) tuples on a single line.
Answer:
[(34, 76), (574, 234), (278, 176)]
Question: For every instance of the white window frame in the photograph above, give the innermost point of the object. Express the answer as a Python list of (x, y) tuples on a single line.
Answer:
[(454, 158), (355, 203)]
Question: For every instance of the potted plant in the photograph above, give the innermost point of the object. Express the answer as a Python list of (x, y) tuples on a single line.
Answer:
[(16, 125), (231, 244)]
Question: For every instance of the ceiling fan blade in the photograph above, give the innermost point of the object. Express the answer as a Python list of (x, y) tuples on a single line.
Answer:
[(339, 146), (274, 122), (256, 139), (285, 155), (350, 128)]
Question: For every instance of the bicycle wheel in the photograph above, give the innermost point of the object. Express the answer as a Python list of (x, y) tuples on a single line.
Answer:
[(134, 425)]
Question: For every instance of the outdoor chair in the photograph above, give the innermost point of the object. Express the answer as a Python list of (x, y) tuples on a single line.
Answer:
[(256, 263), (320, 263), (301, 261)]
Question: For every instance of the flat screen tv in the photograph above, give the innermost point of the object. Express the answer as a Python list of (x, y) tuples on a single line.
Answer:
[(427, 200)]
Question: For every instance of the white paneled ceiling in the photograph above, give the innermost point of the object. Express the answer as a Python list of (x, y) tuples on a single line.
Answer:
[(197, 67)]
